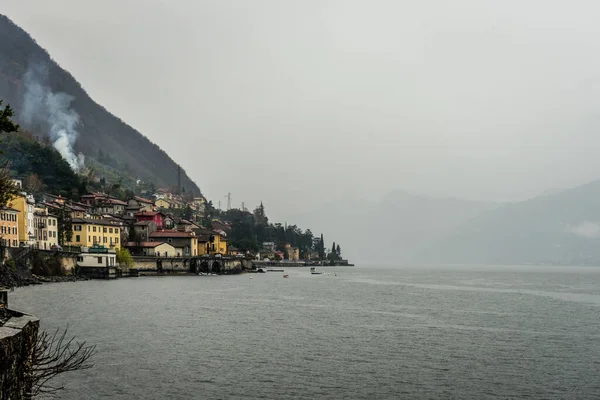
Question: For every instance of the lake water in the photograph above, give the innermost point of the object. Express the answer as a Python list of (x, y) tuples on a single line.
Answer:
[(369, 333)]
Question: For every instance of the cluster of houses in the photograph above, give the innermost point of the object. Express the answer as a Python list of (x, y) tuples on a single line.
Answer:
[(269, 252), (146, 227)]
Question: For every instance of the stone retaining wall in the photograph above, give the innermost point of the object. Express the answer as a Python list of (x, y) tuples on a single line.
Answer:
[(17, 341)]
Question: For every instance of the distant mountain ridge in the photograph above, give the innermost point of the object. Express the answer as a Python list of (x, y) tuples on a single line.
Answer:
[(562, 227), (102, 136), (559, 227), (393, 230)]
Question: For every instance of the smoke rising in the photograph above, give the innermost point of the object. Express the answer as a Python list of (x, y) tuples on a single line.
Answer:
[(43, 107)]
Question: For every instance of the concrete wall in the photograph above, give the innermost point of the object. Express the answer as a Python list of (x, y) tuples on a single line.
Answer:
[(152, 265), (17, 340)]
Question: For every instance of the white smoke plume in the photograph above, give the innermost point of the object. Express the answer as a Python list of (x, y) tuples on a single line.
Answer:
[(586, 229), (42, 106)]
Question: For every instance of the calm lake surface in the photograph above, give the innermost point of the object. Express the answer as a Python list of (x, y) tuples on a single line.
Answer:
[(369, 333)]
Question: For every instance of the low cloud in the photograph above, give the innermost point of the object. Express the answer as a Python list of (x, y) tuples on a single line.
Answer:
[(586, 229)]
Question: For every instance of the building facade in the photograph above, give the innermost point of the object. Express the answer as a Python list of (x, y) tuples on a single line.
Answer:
[(9, 227), (89, 232), (25, 204), (45, 228), (185, 243)]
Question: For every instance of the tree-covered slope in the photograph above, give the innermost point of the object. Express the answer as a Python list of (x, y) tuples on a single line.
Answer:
[(102, 136), (31, 159)]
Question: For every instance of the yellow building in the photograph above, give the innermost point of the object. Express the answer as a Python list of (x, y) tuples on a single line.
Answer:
[(162, 203), (88, 232), (211, 242), (24, 204), (9, 227)]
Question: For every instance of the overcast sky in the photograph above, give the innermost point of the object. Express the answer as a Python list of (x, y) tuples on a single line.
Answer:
[(271, 99)]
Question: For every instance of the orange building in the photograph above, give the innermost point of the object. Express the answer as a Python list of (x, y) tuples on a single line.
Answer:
[(9, 227)]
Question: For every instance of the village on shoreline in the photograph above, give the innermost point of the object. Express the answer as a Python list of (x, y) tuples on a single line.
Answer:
[(108, 232)]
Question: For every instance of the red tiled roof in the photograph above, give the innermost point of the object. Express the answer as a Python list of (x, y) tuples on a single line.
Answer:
[(94, 221), (143, 223), (143, 244), (114, 201), (147, 213), (143, 200), (171, 234)]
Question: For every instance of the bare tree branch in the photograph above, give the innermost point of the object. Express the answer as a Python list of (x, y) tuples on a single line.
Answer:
[(53, 355)]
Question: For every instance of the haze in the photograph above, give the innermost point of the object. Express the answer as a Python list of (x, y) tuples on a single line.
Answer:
[(299, 102)]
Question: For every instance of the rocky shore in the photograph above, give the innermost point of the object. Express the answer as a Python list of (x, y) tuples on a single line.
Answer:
[(10, 279)]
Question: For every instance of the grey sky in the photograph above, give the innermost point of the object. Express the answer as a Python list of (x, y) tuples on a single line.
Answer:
[(294, 102)]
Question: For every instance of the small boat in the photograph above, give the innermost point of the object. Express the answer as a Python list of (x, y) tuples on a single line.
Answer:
[(274, 270), (286, 276), (313, 272)]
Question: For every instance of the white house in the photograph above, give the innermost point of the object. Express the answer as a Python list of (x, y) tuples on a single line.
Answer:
[(97, 259)]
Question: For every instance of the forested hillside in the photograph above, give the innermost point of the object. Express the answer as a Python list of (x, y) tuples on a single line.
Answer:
[(100, 135), (40, 165)]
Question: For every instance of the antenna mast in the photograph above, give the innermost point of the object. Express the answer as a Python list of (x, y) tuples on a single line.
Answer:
[(228, 197)]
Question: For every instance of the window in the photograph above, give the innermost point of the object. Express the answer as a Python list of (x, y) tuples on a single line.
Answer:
[(104, 229), (15, 243), (116, 230), (89, 238), (99, 260), (77, 238), (170, 240), (105, 240), (79, 258), (109, 230), (77, 228), (116, 240), (94, 229)]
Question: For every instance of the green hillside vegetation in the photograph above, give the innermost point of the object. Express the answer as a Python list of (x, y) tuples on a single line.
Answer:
[(40, 166), (102, 136), (249, 230)]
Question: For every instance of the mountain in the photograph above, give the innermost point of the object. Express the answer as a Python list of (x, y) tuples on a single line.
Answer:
[(560, 227), (48, 101), (393, 230)]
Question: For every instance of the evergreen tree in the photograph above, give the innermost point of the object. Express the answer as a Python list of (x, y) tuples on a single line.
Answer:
[(64, 226), (322, 248), (8, 189)]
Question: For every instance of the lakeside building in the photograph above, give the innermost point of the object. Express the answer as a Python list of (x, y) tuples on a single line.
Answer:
[(210, 241), (151, 249), (185, 243), (9, 227), (88, 232), (45, 228), (25, 203), (97, 262)]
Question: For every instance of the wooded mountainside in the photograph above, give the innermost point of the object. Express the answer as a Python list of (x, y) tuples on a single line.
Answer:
[(102, 136)]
